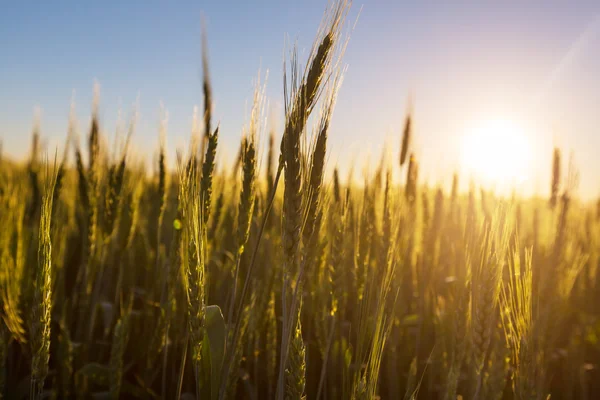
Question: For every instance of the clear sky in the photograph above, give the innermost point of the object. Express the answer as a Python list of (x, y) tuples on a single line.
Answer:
[(534, 63)]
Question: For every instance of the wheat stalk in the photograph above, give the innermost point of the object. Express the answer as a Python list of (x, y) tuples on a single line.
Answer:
[(42, 299)]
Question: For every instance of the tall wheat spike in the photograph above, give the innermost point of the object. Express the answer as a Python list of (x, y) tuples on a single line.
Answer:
[(298, 107), (42, 299), (406, 134), (208, 168), (485, 290), (411, 179), (555, 184), (206, 87), (245, 213), (193, 260)]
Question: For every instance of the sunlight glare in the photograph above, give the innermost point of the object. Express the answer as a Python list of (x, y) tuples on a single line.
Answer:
[(497, 152)]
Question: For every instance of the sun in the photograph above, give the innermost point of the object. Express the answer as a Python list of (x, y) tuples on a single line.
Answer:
[(497, 152)]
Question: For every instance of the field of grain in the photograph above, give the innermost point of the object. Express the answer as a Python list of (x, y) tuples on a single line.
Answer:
[(232, 281)]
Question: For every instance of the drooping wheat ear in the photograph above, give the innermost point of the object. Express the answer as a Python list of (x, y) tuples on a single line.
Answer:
[(555, 184), (208, 168), (411, 179), (42, 298), (119, 344), (295, 372), (406, 134)]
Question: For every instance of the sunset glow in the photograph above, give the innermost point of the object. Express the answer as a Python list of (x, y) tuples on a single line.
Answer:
[(497, 152)]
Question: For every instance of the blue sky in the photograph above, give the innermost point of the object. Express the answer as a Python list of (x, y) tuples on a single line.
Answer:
[(530, 61)]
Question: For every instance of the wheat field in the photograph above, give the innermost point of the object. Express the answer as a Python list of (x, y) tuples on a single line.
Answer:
[(272, 279)]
